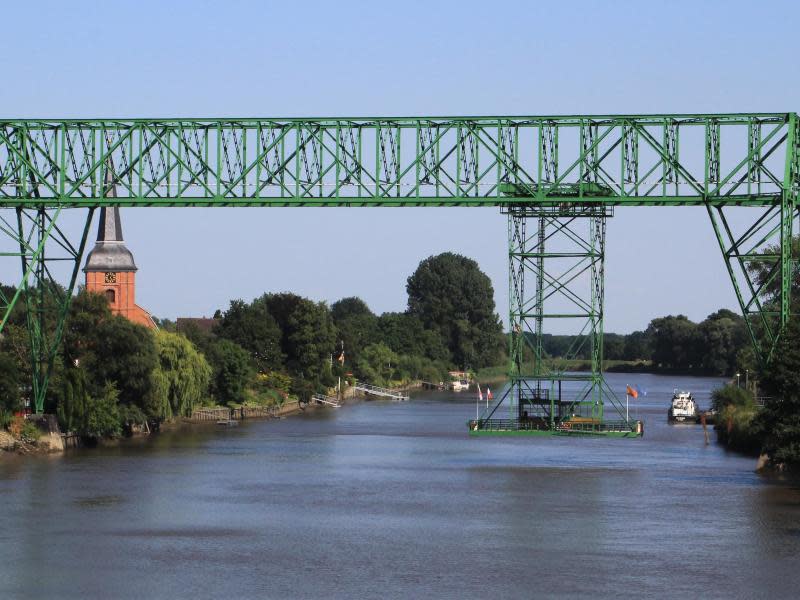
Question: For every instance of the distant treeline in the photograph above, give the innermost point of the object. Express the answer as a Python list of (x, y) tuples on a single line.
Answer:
[(719, 345)]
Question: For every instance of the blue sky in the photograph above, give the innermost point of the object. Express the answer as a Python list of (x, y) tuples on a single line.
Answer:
[(262, 59)]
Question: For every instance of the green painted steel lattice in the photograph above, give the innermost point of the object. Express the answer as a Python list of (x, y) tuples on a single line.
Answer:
[(525, 164)]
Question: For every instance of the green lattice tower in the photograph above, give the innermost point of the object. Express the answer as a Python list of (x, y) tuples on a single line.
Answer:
[(556, 279)]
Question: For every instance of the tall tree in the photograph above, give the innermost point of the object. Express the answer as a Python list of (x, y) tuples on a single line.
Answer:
[(124, 354), (356, 324), (308, 334), (231, 371), (722, 336), (377, 364), (637, 346), (405, 334), (450, 294), (180, 379), (676, 342), (254, 329)]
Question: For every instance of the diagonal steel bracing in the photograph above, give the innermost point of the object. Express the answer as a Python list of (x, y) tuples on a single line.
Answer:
[(426, 161), (50, 260), (561, 172), (556, 274)]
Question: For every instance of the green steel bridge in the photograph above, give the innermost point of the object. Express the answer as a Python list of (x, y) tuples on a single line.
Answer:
[(558, 178)]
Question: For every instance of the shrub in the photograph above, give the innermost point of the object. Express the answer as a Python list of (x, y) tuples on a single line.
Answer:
[(102, 415), (276, 381), (131, 416), (731, 395), (738, 428), (30, 432)]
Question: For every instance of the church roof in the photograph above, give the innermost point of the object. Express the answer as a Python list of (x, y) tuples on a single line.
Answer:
[(110, 252)]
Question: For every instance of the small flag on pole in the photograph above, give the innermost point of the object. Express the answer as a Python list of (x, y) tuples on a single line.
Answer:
[(632, 392), (480, 395), (489, 394)]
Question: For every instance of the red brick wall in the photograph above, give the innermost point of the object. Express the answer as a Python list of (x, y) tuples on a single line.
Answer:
[(124, 295)]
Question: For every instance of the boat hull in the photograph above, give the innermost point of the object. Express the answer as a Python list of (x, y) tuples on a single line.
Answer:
[(682, 418)]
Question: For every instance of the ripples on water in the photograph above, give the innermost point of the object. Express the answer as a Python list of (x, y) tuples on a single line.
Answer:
[(395, 500)]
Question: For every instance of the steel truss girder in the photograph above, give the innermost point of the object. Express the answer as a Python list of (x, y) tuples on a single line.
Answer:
[(422, 161), (35, 238)]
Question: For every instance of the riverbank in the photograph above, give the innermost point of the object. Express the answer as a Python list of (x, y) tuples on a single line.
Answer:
[(50, 440), (53, 441)]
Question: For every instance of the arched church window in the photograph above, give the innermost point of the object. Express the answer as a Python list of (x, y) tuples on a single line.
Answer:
[(111, 296)]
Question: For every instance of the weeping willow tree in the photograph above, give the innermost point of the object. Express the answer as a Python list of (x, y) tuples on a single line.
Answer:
[(180, 381)]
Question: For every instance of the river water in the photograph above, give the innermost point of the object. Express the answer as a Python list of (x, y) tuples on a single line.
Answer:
[(383, 499)]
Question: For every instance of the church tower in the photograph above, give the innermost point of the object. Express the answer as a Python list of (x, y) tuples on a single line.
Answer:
[(110, 269)]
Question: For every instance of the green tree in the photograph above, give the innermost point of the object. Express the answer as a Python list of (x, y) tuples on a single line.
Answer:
[(676, 342), (123, 353), (731, 395), (254, 329), (73, 402), (377, 364), (165, 324), (356, 324), (451, 295), (405, 334), (102, 417), (722, 335), (763, 273), (231, 371), (86, 313), (91, 416), (181, 378), (613, 346), (637, 346), (308, 333), (10, 397), (779, 420)]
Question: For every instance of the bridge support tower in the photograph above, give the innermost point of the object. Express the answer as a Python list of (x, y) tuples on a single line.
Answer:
[(556, 281)]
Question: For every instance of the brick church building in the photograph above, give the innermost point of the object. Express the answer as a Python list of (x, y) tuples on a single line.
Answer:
[(110, 270)]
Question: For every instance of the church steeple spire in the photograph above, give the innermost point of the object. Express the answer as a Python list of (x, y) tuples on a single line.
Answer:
[(110, 229), (110, 252)]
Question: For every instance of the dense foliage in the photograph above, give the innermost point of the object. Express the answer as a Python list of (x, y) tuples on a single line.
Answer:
[(180, 380), (719, 345), (453, 297), (779, 420)]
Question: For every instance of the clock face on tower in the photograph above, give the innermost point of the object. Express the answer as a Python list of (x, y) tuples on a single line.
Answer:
[(111, 278)]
